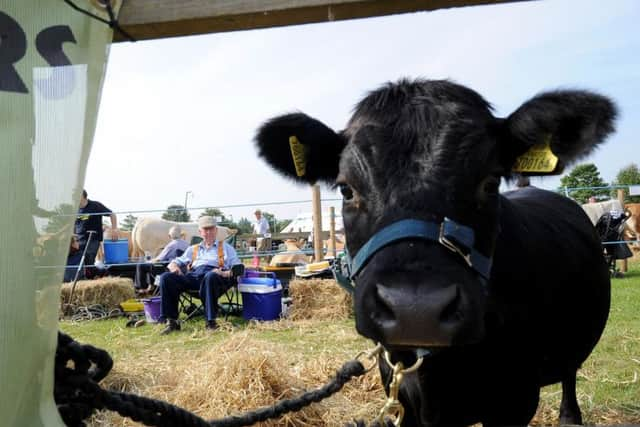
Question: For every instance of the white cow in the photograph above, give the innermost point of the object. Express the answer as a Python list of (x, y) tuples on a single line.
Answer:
[(596, 210), (152, 234)]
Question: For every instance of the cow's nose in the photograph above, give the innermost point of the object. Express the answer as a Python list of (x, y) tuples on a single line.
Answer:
[(418, 319)]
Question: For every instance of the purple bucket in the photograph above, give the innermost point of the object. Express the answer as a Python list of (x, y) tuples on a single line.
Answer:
[(152, 309), (253, 273)]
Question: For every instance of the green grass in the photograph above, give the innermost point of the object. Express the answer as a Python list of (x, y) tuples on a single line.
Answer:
[(124, 343), (608, 383)]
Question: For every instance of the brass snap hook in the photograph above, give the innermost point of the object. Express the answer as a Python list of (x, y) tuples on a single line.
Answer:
[(393, 407)]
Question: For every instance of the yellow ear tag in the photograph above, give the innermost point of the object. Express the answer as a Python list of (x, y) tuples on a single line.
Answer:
[(538, 159), (297, 152)]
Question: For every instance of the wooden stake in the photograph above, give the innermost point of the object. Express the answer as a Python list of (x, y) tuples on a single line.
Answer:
[(317, 223), (331, 250), (624, 266)]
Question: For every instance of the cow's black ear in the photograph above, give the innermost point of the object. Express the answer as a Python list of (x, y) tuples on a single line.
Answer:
[(300, 147), (555, 129)]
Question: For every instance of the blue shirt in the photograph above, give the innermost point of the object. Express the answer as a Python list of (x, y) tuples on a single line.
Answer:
[(209, 256), (261, 226), (171, 250)]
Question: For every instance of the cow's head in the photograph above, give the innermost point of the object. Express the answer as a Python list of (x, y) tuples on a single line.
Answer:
[(431, 152)]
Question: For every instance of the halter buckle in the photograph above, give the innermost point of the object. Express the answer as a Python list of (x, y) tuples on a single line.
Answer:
[(451, 244)]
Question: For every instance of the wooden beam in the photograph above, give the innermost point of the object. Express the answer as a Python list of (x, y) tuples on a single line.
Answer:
[(295, 235), (153, 19)]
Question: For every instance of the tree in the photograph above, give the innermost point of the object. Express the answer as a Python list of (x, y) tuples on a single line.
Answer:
[(128, 222), (214, 212), (176, 213), (244, 226), (585, 175), (282, 223), (63, 216), (628, 175), (274, 224)]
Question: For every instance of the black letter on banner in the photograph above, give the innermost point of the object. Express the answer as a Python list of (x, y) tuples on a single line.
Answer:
[(13, 46), (49, 45)]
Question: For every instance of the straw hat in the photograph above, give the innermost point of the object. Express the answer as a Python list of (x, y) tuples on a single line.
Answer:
[(206, 222)]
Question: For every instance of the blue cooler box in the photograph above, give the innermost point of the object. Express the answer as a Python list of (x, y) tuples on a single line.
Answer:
[(261, 297)]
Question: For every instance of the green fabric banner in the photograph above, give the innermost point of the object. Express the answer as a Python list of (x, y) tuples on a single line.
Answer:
[(52, 63)]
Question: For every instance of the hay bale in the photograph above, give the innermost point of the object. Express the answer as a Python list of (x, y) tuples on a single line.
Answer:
[(108, 292), (319, 299)]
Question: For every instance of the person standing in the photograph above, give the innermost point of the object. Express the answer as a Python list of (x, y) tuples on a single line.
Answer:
[(261, 228), (89, 222), (209, 266)]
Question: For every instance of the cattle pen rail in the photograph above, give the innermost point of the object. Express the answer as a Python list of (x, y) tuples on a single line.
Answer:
[(243, 239)]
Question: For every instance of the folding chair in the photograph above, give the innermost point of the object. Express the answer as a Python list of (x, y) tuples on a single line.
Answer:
[(191, 305), (232, 303)]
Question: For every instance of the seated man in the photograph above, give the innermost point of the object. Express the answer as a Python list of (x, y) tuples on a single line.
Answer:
[(209, 264), (145, 271)]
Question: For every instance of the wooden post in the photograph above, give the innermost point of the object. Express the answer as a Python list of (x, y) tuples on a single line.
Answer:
[(624, 265), (317, 223), (154, 19), (332, 232)]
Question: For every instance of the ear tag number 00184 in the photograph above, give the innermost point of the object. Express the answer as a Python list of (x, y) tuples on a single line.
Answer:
[(539, 159), (298, 155)]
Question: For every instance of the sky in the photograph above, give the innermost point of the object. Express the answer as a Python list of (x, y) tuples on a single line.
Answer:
[(177, 116)]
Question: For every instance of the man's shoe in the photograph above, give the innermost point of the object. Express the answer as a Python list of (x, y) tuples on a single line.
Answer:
[(211, 325), (172, 325)]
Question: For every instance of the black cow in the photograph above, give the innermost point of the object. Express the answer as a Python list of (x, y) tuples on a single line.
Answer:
[(506, 292)]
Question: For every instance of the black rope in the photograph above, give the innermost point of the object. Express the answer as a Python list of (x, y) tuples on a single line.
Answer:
[(112, 22), (349, 370), (79, 368)]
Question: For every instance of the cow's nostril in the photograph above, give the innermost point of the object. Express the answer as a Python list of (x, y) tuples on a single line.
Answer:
[(452, 312), (384, 311)]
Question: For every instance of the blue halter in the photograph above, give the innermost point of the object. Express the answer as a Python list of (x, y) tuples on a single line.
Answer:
[(455, 237)]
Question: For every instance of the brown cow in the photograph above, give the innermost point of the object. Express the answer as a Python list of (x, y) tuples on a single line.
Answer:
[(632, 229)]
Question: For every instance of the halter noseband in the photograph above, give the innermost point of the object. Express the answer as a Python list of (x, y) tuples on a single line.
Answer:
[(457, 238)]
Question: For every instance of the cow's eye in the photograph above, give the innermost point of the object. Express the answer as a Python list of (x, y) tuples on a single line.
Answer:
[(488, 190), (346, 191), (491, 186)]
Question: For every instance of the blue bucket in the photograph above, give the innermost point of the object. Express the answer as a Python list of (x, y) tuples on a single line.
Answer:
[(116, 251)]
